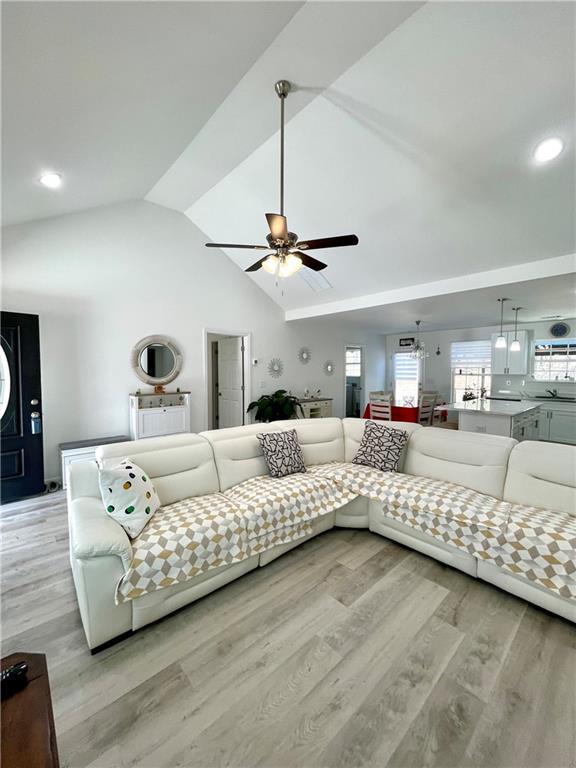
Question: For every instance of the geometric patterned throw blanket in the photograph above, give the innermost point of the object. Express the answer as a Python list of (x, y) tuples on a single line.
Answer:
[(451, 513), (540, 545), (281, 509), (206, 532), (183, 540)]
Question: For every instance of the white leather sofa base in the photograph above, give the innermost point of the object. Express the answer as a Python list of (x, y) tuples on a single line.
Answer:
[(404, 534), (156, 605), (354, 514), (527, 590), (189, 465), (321, 524)]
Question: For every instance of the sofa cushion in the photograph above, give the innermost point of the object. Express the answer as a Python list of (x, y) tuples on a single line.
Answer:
[(540, 544), (353, 430), (282, 453), (272, 504), (129, 495), (465, 458), (180, 466), (381, 447), (183, 540), (542, 475)]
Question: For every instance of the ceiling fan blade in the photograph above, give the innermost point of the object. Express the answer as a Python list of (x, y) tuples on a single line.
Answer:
[(278, 226), (328, 242), (257, 264), (310, 261), (236, 245)]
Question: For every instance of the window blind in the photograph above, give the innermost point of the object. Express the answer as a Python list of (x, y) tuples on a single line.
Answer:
[(405, 367), (471, 354)]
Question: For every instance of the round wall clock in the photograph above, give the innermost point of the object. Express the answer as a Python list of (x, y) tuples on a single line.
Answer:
[(559, 330)]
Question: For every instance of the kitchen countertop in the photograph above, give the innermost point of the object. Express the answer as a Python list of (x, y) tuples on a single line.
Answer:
[(494, 407)]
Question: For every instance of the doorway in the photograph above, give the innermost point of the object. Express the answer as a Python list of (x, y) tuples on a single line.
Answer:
[(354, 366), (21, 454), (226, 379)]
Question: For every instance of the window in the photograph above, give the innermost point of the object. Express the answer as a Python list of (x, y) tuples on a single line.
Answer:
[(406, 379), (470, 362), (353, 361), (555, 360)]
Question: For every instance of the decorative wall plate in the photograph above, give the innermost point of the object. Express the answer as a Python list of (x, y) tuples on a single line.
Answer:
[(329, 367), (304, 355), (275, 367)]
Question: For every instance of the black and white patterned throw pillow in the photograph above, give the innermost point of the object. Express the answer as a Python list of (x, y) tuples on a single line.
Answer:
[(381, 447), (282, 453)]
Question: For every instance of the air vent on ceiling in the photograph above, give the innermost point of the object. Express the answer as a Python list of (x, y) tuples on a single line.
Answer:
[(315, 280)]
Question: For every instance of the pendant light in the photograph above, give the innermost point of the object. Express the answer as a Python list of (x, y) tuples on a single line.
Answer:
[(500, 342), (515, 345), (418, 350)]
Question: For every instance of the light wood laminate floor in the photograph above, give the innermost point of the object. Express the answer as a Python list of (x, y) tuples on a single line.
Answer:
[(349, 651)]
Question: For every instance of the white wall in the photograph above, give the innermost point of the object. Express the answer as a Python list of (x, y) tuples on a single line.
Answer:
[(102, 279), (437, 373)]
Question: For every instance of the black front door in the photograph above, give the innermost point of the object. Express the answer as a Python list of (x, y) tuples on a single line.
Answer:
[(21, 453)]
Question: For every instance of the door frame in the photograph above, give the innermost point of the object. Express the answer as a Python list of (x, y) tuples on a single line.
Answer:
[(207, 361), (362, 376)]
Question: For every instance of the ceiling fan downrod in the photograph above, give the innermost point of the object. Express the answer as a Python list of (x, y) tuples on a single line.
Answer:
[(283, 88)]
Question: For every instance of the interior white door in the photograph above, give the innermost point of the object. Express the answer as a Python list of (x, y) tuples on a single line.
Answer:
[(230, 382)]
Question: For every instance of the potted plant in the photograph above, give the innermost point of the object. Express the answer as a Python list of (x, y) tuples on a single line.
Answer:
[(279, 405)]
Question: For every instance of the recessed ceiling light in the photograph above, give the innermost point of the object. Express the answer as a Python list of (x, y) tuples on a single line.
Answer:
[(548, 149), (51, 180)]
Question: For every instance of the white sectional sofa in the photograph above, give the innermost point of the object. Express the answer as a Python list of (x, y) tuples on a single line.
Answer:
[(490, 471)]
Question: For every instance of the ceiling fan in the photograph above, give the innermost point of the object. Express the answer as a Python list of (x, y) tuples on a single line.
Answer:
[(288, 252)]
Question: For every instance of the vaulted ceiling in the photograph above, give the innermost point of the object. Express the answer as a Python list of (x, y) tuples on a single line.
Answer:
[(412, 124)]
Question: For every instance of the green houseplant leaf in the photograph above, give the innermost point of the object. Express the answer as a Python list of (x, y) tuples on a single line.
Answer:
[(275, 407)]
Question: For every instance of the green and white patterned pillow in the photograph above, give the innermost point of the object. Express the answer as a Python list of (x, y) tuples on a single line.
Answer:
[(128, 495)]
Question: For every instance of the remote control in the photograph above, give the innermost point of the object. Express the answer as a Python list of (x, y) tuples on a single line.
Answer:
[(13, 678)]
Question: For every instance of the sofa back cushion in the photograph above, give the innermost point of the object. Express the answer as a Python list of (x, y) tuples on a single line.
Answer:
[(237, 453), (542, 475), (465, 458), (354, 431), (321, 440), (180, 466)]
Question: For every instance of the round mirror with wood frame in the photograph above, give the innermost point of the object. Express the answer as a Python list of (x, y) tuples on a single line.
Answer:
[(156, 360)]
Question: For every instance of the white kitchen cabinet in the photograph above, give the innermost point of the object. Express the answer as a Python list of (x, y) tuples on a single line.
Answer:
[(507, 362), (155, 415), (558, 423), (509, 419)]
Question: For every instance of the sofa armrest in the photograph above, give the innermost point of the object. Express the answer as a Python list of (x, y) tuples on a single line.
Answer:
[(94, 534)]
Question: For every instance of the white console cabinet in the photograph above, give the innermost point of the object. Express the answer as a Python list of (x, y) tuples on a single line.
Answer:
[(155, 415), (315, 408)]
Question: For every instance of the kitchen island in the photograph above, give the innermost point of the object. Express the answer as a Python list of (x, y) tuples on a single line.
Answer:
[(519, 420)]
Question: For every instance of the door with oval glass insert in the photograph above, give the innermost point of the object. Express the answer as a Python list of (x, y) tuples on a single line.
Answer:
[(21, 451)]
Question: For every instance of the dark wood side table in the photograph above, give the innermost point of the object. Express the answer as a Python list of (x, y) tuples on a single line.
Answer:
[(28, 734)]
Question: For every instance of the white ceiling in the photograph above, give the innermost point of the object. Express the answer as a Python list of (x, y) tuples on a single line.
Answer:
[(468, 309), (412, 124), (111, 93), (423, 148)]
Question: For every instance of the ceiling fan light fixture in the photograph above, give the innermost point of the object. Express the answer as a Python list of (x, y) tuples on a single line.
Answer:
[(289, 265), (271, 264)]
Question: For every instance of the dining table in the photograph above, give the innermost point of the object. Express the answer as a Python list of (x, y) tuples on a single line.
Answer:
[(408, 413)]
